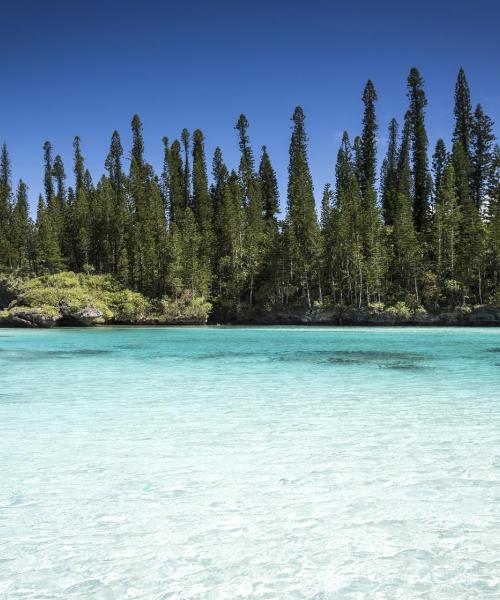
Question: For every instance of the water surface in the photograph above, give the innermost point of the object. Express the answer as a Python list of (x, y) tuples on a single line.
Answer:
[(183, 463)]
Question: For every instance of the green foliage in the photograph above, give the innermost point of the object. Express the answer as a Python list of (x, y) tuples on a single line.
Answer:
[(142, 246), (400, 310), (76, 291), (185, 307), (419, 143), (302, 218)]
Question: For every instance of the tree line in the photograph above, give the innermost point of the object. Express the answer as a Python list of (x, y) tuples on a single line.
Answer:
[(429, 235)]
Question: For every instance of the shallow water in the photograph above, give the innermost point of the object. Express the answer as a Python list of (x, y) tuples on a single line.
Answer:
[(250, 463)]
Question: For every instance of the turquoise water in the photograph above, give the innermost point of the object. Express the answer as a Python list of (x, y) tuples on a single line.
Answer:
[(258, 463)]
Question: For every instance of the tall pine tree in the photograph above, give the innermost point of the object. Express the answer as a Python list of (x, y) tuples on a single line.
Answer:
[(301, 210), (419, 142)]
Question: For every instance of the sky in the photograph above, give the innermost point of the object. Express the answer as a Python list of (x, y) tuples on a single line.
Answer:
[(85, 68)]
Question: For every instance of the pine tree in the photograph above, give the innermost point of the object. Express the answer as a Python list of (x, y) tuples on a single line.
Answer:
[(371, 223), (101, 226), (461, 165), (405, 248), (463, 114), (471, 253), (406, 255), (230, 242), (445, 233), (65, 226), (186, 181), (493, 216), (270, 277), (48, 172), (348, 260), (165, 177), (344, 168), (78, 164), (419, 143), (46, 247), (482, 139), (202, 203), (439, 162), (246, 169), (252, 203), (81, 231), (368, 142), (358, 158), (54, 207), (176, 192), (301, 209), (192, 274), (119, 219), (220, 175), (268, 186), (147, 223), (326, 264), (5, 209), (158, 268), (217, 194), (80, 216), (142, 252), (390, 175), (21, 230), (59, 175)]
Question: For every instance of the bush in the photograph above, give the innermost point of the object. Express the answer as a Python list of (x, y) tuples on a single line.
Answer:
[(185, 306), (376, 307), (74, 291), (129, 306), (453, 291), (494, 298), (400, 310)]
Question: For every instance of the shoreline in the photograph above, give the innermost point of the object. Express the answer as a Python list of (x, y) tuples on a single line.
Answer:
[(483, 316)]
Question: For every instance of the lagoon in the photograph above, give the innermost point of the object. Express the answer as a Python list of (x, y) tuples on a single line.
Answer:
[(225, 462)]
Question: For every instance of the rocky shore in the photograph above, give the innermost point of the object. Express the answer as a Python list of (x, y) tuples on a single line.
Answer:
[(76, 300), (87, 316), (478, 316)]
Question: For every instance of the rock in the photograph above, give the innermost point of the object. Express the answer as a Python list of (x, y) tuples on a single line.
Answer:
[(177, 320), (32, 318), (425, 318), (6, 295), (10, 320), (484, 315), (88, 316)]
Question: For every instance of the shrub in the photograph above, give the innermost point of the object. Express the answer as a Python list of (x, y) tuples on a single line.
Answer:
[(376, 307), (400, 310), (494, 298), (50, 293), (184, 306)]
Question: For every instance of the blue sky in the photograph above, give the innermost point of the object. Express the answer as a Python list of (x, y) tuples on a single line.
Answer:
[(85, 68)]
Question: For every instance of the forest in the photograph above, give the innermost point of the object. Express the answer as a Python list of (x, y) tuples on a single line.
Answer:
[(423, 229)]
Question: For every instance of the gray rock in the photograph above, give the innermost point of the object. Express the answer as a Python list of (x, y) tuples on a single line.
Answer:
[(88, 316), (33, 318), (11, 320), (484, 315)]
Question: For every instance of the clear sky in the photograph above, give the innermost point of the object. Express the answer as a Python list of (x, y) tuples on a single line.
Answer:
[(86, 67)]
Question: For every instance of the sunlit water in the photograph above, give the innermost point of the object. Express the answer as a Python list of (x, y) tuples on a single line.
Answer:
[(250, 463)]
